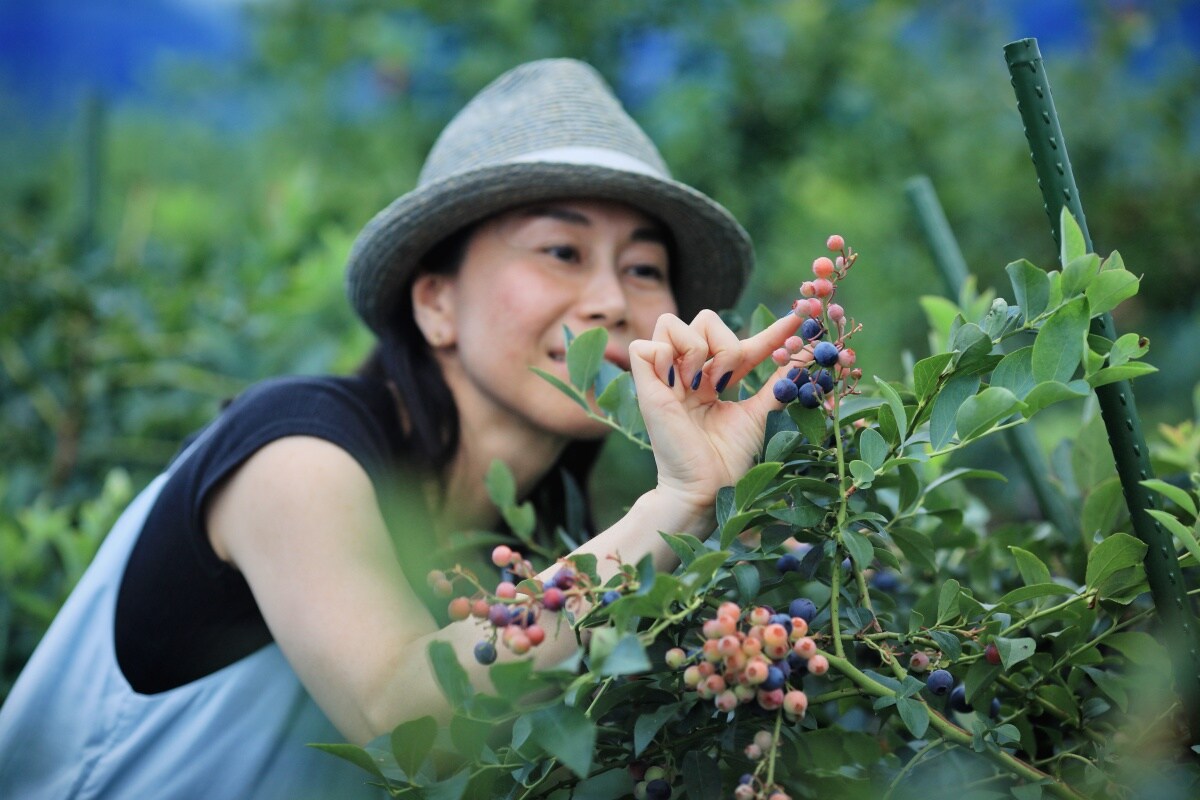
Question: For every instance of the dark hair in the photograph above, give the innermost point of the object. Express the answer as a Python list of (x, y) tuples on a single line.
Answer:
[(429, 440)]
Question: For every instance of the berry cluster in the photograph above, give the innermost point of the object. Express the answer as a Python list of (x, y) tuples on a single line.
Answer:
[(754, 656), (513, 609), (820, 363), (650, 782), (941, 683)]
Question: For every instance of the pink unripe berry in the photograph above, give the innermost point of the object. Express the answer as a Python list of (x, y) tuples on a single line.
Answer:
[(726, 701), (506, 590), (691, 677), (536, 634), (675, 657), (745, 692), (793, 344), (519, 642), (805, 647), (776, 650), (480, 608), (814, 307), (728, 645), (553, 599), (706, 668), (736, 661), (779, 796), (459, 608), (795, 703), (836, 312), (856, 373), (715, 684), (711, 629), (753, 752), (756, 672), (711, 652), (807, 289), (498, 615), (760, 616), (443, 588), (835, 243), (918, 661), (799, 628), (818, 664), (752, 646), (846, 358), (729, 609), (434, 577), (839, 262), (774, 634), (822, 267), (502, 555), (823, 287), (781, 356), (764, 739), (744, 792), (771, 700)]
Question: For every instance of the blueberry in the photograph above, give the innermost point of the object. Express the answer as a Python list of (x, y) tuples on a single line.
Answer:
[(798, 663), (658, 790), (803, 608), (784, 666), (787, 563), (810, 395), (824, 379), (485, 653), (885, 581), (785, 390), (508, 576), (958, 700), (825, 354), (781, 619), (563, 579), (794, 373), (994, 708), (745, 779), (939, 682), (802, 377), (811, 329), (774, 679), (610, 597)]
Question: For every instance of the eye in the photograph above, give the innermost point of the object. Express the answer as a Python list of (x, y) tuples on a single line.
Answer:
[(651, 272), (563, 252)]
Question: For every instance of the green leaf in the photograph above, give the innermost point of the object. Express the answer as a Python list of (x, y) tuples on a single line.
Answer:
[(781, 445), (522, 519), (1032, 569), (802, 513), (1103, 506), (872, 447), (736, 524), (1110, 289), (973, 347), (1051, 392), (1127, 347), (926, 373), (811, 422), (1175, 494), (914, 716), (566, 733), (1110, 685), (940, 312), (980, 412), (1058, 348), (948, 601), (1179, 529), (451, 676), (752, 484), (1034, 591), (701, 776), (411, 742), (1139, 647), (1079, 273), (1117, 552), (609, 785), (648, 725), (945, 408), (748, 582), (1071, 237), (355, 755), (628, 657), (916, 547), (1091, 457), (725, 505), (896, 405), (948, 643), (700, 571), (468, 735), (1015, 372), (501, 486), (619, 400), (685, 546), (1014, 651), (859, 547), (1031, 287), (863, 474), (565, 388), (584, 357), (1125, 372)]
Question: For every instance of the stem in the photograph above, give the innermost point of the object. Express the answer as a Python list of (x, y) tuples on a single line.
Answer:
[(774, 749)]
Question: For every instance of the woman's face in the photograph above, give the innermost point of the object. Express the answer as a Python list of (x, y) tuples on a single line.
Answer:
[(528, 272)]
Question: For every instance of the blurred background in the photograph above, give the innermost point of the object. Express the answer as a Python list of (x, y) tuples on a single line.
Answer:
[(181, 180)]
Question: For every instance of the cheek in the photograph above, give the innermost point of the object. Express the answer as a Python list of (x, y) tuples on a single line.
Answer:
[(643, 316)]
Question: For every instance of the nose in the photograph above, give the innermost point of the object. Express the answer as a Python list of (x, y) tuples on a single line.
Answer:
[(603, 299)]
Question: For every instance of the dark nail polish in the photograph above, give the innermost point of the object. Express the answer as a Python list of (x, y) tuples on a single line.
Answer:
[(721, 384), (671, 377), (696, 380)]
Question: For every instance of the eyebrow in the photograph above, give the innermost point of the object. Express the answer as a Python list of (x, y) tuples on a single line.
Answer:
[(644, 234)]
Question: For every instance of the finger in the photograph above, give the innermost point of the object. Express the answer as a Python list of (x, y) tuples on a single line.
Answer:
[(759, 346), (724, 351), (689, 350), (651, 364)]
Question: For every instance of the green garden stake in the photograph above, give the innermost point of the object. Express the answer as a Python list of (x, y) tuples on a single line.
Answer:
[(1049, 152), (1021, 441)]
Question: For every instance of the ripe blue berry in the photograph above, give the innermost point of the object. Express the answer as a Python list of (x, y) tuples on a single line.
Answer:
[(745, 779), (658, 790), (610, 597), (485, 653), (885, 581), (781, 619), (994, 708), (825, 354), (784, 666), (798, 663), (809, 394), (803, 608), (563, 579), (774, 679), (811, 329), (939, 682), (958, 700), (824, 379), (787, 563), (499, 615), (794, 373), (785, 391)]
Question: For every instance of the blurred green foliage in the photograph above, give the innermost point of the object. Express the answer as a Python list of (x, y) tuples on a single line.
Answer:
[(151, 266)]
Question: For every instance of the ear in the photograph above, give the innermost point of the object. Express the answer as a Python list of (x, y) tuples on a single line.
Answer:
[(433, 308)]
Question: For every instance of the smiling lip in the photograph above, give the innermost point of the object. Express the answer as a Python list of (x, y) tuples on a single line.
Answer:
[(613, 355)]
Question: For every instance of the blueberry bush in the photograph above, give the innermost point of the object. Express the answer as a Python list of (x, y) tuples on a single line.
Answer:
[(855, 625)]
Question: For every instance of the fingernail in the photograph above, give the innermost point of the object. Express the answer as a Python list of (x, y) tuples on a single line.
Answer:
[(721, 384), (671, 377), (696, 380)]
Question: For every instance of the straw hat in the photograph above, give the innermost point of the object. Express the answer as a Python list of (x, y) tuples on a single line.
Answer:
[(546, 130)]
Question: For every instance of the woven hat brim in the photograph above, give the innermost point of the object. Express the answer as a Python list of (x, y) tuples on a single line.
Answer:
[(713, 252)]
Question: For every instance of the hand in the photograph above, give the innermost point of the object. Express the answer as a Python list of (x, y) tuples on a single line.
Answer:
[(701, 442)]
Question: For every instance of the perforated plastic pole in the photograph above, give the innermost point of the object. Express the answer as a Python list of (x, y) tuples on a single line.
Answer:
[(1049, 151), (953, 267)]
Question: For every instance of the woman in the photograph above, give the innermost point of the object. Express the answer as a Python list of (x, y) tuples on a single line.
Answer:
[(251, 599)]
